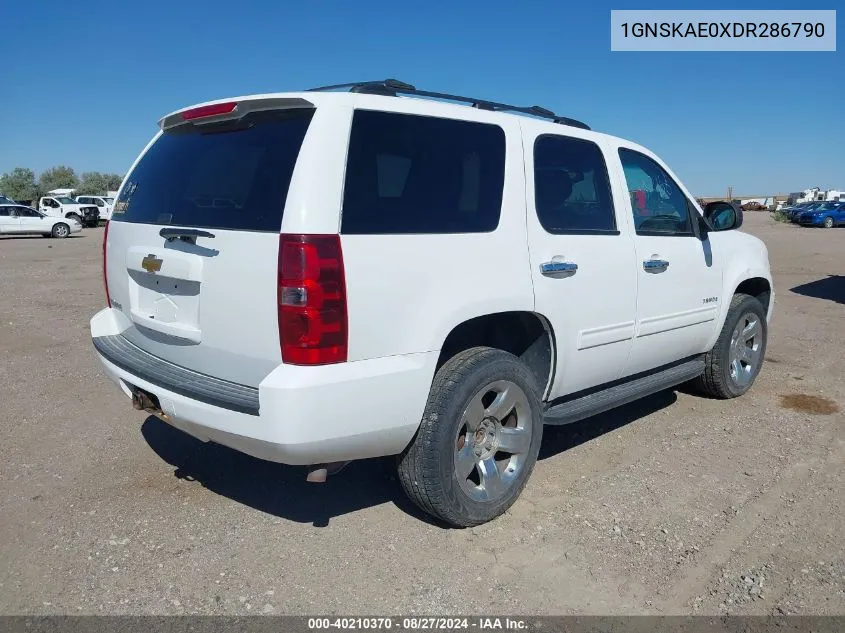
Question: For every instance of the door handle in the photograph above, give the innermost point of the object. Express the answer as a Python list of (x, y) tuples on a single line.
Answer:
[(655, 265), (558, 269)]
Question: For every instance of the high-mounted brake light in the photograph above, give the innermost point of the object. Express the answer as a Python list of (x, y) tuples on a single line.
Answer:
[(105, 277), (209, 110), (312, 300)]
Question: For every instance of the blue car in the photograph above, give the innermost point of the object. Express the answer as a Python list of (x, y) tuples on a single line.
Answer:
[(795, 212), (795, 208), (828, 215)]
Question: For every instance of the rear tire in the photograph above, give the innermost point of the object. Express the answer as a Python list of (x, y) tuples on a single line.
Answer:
[(60, 230), (828, 222), (735, 360), (478, 440)]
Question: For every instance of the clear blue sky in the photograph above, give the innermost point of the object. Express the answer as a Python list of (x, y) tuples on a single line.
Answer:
[(83, 83)]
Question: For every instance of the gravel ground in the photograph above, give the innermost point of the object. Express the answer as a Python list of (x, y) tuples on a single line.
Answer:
[(676, 504)]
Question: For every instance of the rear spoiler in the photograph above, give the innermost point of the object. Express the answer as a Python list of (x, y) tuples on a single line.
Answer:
[(229, 110)]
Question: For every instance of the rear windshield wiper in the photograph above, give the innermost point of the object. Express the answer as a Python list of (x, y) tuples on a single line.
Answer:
[(172, 234)]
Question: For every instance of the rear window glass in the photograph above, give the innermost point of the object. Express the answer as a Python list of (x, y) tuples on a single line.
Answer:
[(416, 174), (226, 176)]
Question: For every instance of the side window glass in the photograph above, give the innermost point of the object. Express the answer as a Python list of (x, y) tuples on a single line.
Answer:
[(571, 186), (658, 204), (426, 175)]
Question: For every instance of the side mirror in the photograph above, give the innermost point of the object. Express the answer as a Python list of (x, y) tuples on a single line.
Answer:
[(723, 216)]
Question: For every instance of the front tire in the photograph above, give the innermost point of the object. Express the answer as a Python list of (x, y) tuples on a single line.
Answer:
[(478, 441), (60, 230), (735, 360), (828, 222)]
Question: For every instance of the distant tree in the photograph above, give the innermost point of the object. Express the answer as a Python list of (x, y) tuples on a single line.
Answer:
[(19, 184), (60, 177), (96, 183), (113, 181), (92, 183)]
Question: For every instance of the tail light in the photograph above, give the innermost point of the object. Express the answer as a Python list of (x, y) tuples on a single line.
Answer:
[(312, 300), (105, 278)]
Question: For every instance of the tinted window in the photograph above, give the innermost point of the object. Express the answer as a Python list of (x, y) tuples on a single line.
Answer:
[(571, 186), (415, 174), (658, 204), (25, 212), (5, 211), (233, 175)]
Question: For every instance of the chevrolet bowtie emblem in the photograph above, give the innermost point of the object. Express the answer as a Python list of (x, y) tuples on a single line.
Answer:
[(151, 263)]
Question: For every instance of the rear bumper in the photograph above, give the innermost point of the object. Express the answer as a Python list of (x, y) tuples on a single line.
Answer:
[(304, 415)]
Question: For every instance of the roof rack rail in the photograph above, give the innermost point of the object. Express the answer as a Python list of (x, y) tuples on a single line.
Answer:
[(394, 87)]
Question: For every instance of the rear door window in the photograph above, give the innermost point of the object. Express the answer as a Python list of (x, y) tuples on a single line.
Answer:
[(571, 186), (231, 175), (417, 174)]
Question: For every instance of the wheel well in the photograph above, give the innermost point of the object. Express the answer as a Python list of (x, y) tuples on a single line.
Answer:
[(526, 335), (759, 288)]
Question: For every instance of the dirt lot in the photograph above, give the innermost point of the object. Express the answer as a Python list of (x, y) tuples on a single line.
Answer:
[(677, 504)]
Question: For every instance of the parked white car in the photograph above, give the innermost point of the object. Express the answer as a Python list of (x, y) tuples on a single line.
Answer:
[(103, 203), (66, 207), (17, 219), (350, 275)]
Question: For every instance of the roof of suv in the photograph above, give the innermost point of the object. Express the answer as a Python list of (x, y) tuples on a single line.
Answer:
[(373, 96)]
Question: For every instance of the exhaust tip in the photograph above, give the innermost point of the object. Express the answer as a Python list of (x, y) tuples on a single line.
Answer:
[(318, 473)]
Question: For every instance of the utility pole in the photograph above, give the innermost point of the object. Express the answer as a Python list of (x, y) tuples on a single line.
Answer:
[(730, 193)]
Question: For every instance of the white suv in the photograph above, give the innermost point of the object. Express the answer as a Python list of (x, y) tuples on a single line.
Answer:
[(324, 276)]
